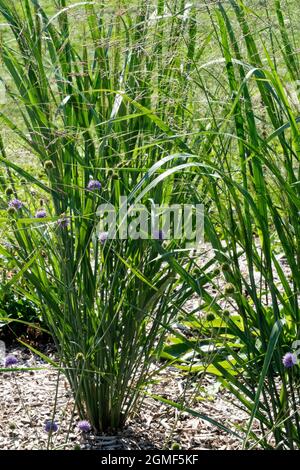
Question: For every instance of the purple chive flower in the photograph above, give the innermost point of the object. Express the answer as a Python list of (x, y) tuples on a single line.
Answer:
[(16, 203), (51, 426), (8, 245), (94, 185), (63, 222), (40, 214), (289, 360), (10, 360), (84, 426), (103, 236), (158, 235)]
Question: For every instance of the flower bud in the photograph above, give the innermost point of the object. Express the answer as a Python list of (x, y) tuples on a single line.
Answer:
[(49, 165), (9, 191), (225, 267), (11, 211), (229, 289), (210, 317)]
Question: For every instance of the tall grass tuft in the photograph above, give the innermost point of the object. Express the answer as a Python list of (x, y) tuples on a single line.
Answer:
[(109, 101), (252, 228), (91, 103)]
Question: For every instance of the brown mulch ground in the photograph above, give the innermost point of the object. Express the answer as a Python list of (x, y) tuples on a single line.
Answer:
[(27, 401)]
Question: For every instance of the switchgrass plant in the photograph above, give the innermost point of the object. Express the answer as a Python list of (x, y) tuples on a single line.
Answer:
[(92, 99), (109, 101), (253, 230)]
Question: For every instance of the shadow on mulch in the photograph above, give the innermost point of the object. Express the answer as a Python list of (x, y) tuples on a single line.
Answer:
[(128, 439), (12, 333)]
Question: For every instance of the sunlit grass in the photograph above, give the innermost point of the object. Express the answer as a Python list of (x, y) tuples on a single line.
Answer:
[(214, 88)]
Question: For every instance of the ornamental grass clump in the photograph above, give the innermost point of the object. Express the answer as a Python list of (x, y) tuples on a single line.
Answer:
[(252, 157), (85, 110)]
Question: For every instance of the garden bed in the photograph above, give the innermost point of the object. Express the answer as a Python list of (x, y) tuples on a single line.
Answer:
[(28, 400), (149, 219)]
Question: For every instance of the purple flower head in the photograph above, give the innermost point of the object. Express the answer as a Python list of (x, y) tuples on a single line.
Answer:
[(103, 236), (10, 360), (64, 221), (8, 245), (158, 235), (94, 185), (16, 203), (51, 426), (40, 214), (84, 426), (289, 360)]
